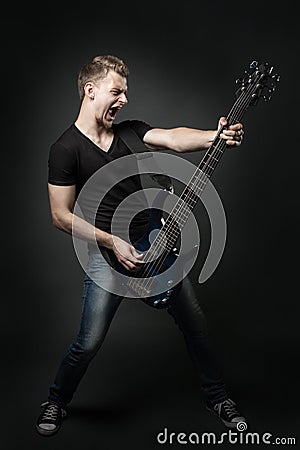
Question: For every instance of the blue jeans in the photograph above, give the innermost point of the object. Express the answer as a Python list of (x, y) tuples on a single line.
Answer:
[(99, 308)]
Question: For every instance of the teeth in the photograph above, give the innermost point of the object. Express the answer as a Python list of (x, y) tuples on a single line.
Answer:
[(113, 110)]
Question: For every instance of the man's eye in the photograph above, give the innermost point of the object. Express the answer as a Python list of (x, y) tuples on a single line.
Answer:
[(116, 92)]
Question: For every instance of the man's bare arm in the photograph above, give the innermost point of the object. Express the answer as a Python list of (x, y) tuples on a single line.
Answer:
[(182, 139), (62, 201)]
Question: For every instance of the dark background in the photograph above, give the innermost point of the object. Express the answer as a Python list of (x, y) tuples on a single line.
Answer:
[(183, 59)]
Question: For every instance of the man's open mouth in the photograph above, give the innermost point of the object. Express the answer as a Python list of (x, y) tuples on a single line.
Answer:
[(112, 112)]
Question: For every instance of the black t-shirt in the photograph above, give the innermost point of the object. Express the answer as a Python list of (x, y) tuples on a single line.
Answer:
[(74, 159)]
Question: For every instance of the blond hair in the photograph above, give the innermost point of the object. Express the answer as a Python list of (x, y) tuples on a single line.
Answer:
[(97, 69)]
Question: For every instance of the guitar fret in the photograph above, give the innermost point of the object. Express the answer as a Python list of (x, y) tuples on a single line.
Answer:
[(182, 211), (180, 214), (208, 165), (212, 157)]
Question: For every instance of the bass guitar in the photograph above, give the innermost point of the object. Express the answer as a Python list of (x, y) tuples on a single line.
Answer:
[(160, 252)]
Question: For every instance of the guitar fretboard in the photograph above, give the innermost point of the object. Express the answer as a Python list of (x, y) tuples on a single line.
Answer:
[(170, 232)]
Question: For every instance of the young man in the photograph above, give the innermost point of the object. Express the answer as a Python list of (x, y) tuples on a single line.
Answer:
[(86, 146)]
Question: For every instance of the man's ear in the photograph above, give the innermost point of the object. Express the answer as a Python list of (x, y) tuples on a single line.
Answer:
[(89, 90)]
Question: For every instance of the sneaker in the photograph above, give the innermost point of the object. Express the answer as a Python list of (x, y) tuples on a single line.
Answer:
[(227, 412), (50, 419)]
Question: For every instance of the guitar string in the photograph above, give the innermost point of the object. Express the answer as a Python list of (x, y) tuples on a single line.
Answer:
[(146, 284), (216, 150), (210, 161), (191, 194), (191, 191)]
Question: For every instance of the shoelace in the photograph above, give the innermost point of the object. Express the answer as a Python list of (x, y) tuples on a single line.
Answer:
[(51, 412), (229, 407)]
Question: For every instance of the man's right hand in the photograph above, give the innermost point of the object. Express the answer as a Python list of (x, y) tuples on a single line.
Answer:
[(126, 254)]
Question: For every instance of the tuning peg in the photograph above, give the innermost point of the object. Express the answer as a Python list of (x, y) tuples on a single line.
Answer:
[(272, 88), (276, 77), (253, 65), (267, 98), (242, 80)]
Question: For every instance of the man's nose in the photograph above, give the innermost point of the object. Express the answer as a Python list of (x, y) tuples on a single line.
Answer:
[(123, 99)]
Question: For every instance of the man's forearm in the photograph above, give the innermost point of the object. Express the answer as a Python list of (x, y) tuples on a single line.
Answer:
[(190, 139), (80, 228)]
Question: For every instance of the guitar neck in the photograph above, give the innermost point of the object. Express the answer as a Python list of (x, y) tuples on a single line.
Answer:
[(177, 219), (210, 160)]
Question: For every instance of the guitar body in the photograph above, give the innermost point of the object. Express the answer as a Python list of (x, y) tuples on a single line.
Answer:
[(164, 283)]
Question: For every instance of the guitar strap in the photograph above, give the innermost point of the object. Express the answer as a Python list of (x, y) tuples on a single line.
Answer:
[(133, 142)]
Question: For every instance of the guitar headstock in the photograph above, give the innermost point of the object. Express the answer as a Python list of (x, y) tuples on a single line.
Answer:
[(258, 82)]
